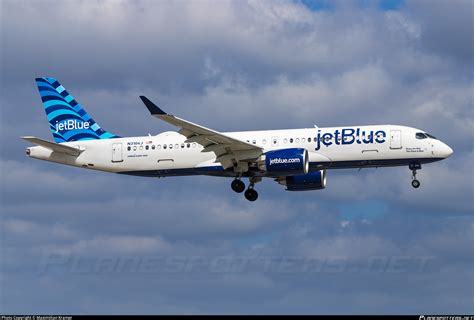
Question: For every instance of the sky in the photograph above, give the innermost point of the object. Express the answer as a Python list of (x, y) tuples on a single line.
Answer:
[(81, 242)]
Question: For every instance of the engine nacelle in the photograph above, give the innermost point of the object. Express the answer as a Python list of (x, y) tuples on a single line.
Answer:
[(285, 162), (302, 182)]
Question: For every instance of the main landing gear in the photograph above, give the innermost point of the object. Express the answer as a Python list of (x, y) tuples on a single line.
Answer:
[(238, 186), (250, 194), (414, 182)]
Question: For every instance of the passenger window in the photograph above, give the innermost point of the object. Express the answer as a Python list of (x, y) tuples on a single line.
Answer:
[(147, 147), (309, 139), (291, 140), (158, 147), (153, 147), (134, 148), (188, 145), (165, 146), (141, 147), (285, 140), (129, 148), (303, 139), (420, 135), (264, 141), (254, 141), (297, 140), (194, 144), (176, 146), (182, 145), (171, 146)]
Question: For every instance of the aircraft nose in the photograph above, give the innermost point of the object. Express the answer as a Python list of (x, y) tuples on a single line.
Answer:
[(446, 151)]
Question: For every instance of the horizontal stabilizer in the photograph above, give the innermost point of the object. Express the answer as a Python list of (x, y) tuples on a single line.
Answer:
[(56, 147)]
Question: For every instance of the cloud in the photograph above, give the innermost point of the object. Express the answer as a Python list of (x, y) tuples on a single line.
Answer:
[(251, 65), (445, 28)]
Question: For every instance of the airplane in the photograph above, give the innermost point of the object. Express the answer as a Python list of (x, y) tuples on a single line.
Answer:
[(298, 159)]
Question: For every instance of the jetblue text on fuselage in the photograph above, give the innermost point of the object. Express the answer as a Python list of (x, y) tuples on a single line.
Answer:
[(349, 136), (284, 161), (71, 124)]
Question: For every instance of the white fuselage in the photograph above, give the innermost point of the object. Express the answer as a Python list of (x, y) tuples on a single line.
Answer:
[(167, 154)]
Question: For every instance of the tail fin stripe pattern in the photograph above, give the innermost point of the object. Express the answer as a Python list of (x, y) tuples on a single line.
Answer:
[(77, 134), (47, 89), (55, 103), (63, 117), (61, 112), (51, 98), (106, 135), (54, 108), (82, 136), (68, 121), (48, 93)]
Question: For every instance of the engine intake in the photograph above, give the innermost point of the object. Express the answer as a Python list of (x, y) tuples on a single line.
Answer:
[(291, 161), (302, 182)]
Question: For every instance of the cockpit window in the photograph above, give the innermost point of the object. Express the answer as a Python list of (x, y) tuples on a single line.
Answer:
[(421, 135), (430, 136)]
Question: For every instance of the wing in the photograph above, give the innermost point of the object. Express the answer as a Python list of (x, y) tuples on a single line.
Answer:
[(229, 151)]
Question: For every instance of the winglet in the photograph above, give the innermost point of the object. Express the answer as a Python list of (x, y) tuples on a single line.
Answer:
[(153, 108)]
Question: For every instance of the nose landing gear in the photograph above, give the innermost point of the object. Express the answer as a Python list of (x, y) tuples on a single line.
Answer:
[(414, 182)]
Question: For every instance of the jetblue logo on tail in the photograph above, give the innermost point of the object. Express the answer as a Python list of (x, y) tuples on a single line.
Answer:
[(67, 119), (71, 124)]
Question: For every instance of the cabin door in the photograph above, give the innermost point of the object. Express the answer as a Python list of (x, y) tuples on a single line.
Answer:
[(395, 139), (117, 152)]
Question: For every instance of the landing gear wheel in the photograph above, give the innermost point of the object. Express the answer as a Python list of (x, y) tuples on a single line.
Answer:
[(251, 194), (238, 186), (415, 183)]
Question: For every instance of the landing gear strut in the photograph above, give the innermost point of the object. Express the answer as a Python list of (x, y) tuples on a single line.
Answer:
[(251, 194), (414, 182)]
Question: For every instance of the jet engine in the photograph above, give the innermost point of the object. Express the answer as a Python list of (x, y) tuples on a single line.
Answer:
[(303, 182), (286, 162)]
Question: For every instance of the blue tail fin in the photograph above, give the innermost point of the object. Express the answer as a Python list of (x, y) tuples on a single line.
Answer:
[(68, 121)]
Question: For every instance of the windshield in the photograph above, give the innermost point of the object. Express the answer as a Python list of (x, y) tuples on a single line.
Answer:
[(420, 135), (430, 136)]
